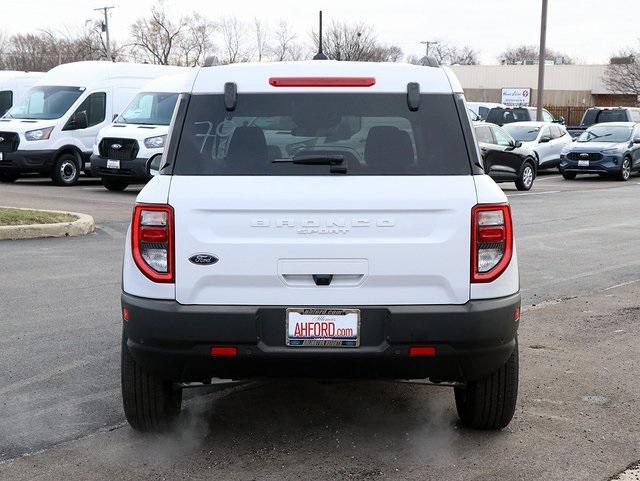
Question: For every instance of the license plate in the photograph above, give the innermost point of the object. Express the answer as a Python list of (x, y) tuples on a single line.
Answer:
[(583, 163), (113, 164), (321, 327)]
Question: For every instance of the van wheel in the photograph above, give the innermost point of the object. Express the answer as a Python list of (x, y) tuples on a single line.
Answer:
[(66, 170), (625, 170), (490, 402), (150, 402), (9, 178), (568, 175), (114, 185), (527, 176)]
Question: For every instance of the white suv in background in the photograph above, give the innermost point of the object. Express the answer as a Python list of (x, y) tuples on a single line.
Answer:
[(546, 139), (323, 219)]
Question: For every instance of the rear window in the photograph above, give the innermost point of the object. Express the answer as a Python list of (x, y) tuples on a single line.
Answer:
[(374, 134), (501, 116), (597, 116)]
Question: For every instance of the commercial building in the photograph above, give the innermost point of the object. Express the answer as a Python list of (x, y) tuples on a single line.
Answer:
[(565, 85)]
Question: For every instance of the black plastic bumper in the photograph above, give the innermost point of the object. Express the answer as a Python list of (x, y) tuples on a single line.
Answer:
[(27, 161), (132, 170), (471, 340), (604, 166)]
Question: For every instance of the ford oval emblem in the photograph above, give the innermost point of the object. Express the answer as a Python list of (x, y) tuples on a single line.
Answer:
[(203, 259), (116, 146)]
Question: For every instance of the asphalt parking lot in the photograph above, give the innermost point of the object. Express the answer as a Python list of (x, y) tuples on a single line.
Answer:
[(577, 411)]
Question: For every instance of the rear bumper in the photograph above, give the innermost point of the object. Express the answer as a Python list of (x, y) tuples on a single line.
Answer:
[(472, 340), (27, 161), (132, 170)]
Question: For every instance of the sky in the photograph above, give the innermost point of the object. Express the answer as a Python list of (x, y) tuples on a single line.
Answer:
[(589, 30)]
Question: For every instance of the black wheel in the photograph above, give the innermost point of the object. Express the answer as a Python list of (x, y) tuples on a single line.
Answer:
[(568, 175), (115, 185), (66, 170), (625, 170), (489, 403), (9, 178), (150, 402), (527, 176)]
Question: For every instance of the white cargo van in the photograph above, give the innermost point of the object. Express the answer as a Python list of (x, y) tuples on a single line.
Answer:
[(125, 149), (53, 129), (13, 85), (323, 219)]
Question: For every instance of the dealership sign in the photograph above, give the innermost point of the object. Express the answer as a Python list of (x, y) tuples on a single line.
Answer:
[(516, 96)]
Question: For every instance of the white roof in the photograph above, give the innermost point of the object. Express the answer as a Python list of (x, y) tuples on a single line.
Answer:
[(556, 77), (177, 83), (389, 77), (85, 74), (530, 123)]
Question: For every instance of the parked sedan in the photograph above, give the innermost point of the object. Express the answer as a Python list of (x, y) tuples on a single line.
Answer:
[(504, 158), (606, 149), (545, 139)]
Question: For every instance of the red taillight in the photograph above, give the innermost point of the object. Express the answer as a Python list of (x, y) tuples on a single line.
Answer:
[(416, 351), (224, 351), (322, 81), (125, 313), (491, 241), (152, 241)]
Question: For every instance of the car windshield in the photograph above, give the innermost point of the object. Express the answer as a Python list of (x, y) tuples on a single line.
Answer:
[(604, 133), (299, 134), (152, 108), (501, 116), (45, 103), (524, 133)]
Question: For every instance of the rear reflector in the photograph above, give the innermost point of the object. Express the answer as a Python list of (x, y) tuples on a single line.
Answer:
[(224, 351), (125, 314), (415, 351), (322, 81)]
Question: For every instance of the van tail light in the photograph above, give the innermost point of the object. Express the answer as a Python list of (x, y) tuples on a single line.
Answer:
[(152, 241), (491, 241)]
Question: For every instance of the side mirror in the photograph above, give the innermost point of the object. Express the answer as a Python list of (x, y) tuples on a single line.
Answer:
[(153, 167), (544, 140), (561, 120), (518, 144)]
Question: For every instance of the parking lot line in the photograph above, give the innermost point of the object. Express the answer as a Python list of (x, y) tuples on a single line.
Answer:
[(535, 193)]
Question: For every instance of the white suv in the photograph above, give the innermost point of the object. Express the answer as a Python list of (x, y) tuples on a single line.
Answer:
[(323, 219)]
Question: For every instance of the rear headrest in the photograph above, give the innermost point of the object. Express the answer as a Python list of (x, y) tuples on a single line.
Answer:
[(248, 145), (388, 150)]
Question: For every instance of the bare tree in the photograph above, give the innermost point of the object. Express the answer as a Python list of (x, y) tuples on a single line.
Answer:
[(261, 39), (524, 54), (154, 38), (463, 56), (449, 54), (234, 49), (284, 46), (356, 42), (195, 42), (623, 75)]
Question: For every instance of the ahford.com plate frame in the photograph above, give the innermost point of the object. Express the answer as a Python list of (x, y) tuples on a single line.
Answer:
[(324, 342)]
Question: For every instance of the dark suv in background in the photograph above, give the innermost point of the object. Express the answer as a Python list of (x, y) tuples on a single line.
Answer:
[(600, 115), (507, 115)]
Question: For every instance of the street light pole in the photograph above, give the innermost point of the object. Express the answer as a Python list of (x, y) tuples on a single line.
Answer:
[(105, 29), (541, 59), (428, 44)]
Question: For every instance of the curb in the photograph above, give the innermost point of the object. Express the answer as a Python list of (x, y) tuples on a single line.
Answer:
[(84, 224)]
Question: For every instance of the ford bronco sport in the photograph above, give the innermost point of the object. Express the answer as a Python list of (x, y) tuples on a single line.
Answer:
[(321, 219)]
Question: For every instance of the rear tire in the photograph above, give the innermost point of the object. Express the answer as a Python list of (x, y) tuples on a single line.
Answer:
[(568, 175), (490, 402), (66, 170), (115, 185), (150, 403), (9, 178), (526, 177)]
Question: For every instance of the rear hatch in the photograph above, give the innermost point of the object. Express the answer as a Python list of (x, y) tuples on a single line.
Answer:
[(394, 229)]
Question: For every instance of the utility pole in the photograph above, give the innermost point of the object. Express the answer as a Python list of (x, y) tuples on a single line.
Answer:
[(541, 59), (428, 43), (105, 29)]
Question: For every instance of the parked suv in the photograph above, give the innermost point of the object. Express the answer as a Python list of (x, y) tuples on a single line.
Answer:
[(323, 219), (601, 115), (545, 139), (506, 115)]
